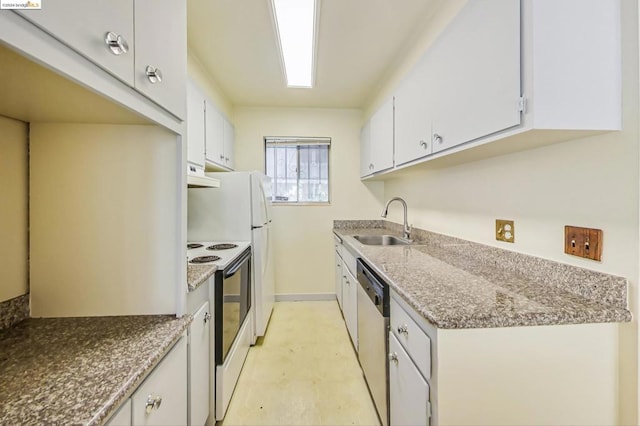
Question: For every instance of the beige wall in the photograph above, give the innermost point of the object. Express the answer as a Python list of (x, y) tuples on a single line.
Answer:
[(103, 219), (199, 75), (591, 182), (303, 237), (14, 189)]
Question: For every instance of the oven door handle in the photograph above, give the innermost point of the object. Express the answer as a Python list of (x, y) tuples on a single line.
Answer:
[(233, 268)]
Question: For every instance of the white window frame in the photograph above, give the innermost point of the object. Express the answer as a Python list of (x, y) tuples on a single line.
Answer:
[(300, 141)]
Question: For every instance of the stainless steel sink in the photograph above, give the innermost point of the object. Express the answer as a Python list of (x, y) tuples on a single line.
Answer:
[(380, 240)]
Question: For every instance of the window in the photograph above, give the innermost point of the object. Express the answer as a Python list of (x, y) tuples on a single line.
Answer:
[(299, 168)]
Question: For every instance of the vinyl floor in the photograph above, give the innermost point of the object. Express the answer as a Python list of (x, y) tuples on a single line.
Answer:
[(303, 372)]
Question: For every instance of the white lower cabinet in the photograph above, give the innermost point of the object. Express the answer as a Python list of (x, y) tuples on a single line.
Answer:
[(350, 304), (408, 390), (162, 398), (199, 364), (123, 416), (338, 272)]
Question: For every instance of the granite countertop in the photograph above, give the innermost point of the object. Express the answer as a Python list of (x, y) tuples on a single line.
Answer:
[(455, 283), (79, 370), (198, 274)]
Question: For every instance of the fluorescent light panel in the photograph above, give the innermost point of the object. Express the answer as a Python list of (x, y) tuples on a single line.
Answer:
[(295, 26)]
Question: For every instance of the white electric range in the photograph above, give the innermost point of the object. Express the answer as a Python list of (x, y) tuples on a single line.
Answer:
[(219, 253), (230, 296)]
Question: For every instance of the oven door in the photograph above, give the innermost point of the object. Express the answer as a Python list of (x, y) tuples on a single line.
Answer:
[(232, 302)]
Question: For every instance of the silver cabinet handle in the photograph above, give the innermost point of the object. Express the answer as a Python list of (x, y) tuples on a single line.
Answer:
[(370, 166), (153, 403), (403, 329), (226, 159), (221, 157), (423, 144), (437, 138), (207, 317), (154, 74), (116, 43), (393, 357)]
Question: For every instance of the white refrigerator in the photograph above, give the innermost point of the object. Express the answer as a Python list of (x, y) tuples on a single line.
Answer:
[(240, 209)]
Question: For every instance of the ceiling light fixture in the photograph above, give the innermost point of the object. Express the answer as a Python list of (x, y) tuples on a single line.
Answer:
[(295, 25)]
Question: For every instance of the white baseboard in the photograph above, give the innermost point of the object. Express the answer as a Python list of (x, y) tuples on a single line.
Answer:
[(294, 297)]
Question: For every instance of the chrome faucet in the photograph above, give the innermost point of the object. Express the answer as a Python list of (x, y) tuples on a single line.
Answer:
[(407, 229)]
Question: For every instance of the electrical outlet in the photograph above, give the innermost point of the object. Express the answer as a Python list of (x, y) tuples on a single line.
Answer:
[(505, 230), (583, 242)]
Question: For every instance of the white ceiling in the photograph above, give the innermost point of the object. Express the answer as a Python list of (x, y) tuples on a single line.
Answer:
[(359, 43)]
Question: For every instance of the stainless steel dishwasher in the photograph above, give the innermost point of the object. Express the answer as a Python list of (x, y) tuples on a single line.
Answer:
[(373, 336)]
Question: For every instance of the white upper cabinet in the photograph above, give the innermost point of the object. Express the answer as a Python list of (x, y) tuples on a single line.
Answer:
[(476, 64), (413, 114), (143, 42), (376, 142), (88, 27), (573, 65), (161, 49), (366, 168), (229, 137), (507, 75), (214, 135), (220, 140), (195, 125)]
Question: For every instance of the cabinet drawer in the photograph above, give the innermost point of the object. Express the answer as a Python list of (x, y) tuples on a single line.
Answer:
[(167, 384), (349, 261), (412, 338), (123, 416), (338, 245)]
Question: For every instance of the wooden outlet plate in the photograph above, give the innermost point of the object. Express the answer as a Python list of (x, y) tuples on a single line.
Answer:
[(583, 242)]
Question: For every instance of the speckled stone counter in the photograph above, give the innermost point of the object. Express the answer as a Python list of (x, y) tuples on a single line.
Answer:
[(78, 370), (198, 274), (455, 283)]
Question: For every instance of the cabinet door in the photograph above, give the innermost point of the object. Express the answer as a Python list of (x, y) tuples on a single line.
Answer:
[(195, 125), (413, 114), (229, 137), (408, 390), (83, 26), (366, 167), (167, 385), (161, 47), (350, 304), (382, 137), (477, 65), (199, 365), (338, 276), (123, 416), (214, 135)]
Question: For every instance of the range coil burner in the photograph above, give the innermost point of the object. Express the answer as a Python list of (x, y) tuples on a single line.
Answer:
[(204, 259), (194, 246), (222, 246)]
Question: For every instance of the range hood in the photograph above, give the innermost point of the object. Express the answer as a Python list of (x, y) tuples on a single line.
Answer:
[(197, 179)]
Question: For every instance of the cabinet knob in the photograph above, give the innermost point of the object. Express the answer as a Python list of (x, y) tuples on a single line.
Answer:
[(154, 74), (370, 166), (226, 159), (153, 403), (393, 357), (423, 144), (116, 43), (207, 317), (403, 329), (221, 157), (437, 138)]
